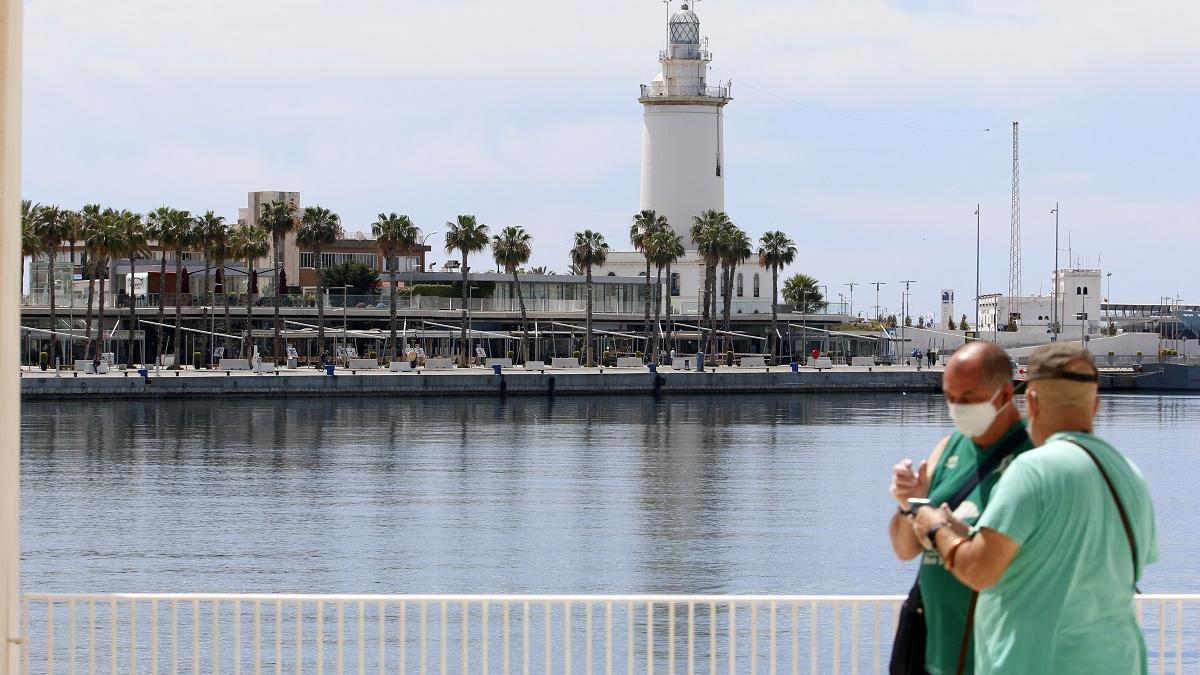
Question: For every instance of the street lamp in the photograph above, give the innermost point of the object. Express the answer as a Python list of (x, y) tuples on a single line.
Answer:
[(1054, 302), (470, 323), (345, 322)]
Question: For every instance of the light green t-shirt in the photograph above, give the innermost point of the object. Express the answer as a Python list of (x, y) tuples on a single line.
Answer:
[(1065, 603)]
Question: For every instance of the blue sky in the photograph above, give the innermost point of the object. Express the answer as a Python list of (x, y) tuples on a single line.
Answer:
[(525, 113)]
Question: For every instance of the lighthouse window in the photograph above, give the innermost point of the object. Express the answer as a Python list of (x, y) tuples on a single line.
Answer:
[(756, 293), (674, 284), (740, 289)]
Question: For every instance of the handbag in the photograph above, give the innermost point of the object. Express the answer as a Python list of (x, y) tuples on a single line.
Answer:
[(908, 646)]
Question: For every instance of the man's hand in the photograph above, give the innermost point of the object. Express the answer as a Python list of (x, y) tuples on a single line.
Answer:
[(906, 484), (928, 516)]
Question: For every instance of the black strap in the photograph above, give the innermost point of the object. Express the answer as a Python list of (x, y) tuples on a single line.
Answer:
[(966, 641), (1120, 507), (1014, 440)]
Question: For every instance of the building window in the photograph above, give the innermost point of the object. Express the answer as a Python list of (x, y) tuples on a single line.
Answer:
[(756, 289), (675, 284), (740, 289), (307, 259)]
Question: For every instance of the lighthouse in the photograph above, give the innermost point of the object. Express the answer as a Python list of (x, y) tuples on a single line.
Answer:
[(683, 145)]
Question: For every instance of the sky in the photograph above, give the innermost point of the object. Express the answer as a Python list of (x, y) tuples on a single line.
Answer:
[(858, 127)]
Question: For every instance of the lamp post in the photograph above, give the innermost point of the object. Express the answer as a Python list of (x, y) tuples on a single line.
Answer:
[(345, 322), (1054, 302), (1108, 300), (470, 323), (977, 269), (852, 284)]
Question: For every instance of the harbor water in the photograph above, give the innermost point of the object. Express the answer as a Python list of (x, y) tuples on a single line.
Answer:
[(720, 494)]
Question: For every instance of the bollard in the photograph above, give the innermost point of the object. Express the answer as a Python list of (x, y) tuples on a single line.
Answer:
[(329, 369), (795, 367), (700, 362), (653, 367), (496, 367)]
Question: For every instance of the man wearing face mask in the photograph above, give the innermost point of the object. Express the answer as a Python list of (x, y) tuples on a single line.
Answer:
[(1059, 548), (961, 470)]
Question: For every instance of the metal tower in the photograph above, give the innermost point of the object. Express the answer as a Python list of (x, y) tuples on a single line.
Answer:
[(1014, 243)]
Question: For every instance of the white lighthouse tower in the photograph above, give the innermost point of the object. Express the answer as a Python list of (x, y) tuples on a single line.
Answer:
[(682, 135)]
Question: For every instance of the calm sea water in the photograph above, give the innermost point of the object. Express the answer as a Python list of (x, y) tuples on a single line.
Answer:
[(730, 494)]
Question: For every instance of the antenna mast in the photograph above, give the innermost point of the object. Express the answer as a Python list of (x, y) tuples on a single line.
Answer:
[(1014, 244)]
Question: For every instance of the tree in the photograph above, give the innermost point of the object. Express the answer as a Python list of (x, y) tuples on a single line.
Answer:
[(804, 292), (249, 243), (394, 234), (666, 248), (1011, 327), (132, 240), (706, 234), (175, 230), (511, 249), (466, 235), (589, 250), (645, 224), (91, 227), (213, 237), (319, 228), (359, 278), (278, 218), (736, 248), (775, 250), (31, 213), (51, 227), (962, 324)]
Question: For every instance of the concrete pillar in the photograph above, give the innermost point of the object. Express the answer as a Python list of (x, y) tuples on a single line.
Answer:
[(10, 316)]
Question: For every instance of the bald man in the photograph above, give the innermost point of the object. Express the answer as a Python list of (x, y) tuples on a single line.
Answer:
[(988, 432), (1062, 542)]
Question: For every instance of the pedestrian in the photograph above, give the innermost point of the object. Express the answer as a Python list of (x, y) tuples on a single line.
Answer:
[(1063, 540), (988, 432)]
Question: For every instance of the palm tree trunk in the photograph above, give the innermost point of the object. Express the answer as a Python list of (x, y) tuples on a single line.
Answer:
[(588, 324), (100, 318), (132, 310), (465, 360), (646, 294), (53, 310), (179, 310), (224, 301), (702, 314), (774, 336), (320, 302), (524, 320), (668, 336), (654, 347), (730, 277), (392, 303), (162, 273), (88, 322), (71, 300), (248, 343), (277, 347)]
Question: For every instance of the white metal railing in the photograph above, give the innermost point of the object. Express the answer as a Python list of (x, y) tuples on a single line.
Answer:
[(236, 633)]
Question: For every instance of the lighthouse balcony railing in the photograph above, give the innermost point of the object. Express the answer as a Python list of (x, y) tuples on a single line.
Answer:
[(689, 52), (660, 89)]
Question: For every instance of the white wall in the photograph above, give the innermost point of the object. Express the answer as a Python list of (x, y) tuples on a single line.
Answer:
[(679, 158)]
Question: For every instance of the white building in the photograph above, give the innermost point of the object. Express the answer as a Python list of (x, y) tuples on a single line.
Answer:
[(1077, 305), (683, 166)]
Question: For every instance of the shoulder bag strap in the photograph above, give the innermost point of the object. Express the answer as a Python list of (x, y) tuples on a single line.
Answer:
[(1010, 444), (966, 641), (1120, 507)]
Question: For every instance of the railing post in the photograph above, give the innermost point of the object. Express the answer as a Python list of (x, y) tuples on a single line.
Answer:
[(10, 398)]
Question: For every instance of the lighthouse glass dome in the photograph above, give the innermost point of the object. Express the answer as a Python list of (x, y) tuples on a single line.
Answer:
[(685, 27)]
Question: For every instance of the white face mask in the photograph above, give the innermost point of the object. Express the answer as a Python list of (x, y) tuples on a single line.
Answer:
[(974, 419)]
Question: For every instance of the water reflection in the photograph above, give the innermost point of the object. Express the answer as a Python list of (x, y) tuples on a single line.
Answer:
[(702, 494)]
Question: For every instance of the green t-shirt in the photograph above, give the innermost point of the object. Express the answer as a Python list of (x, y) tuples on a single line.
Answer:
[(1065, 603), (946, 600)]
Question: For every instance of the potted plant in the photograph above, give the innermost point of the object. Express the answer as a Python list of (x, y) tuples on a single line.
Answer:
[(729, 356), (196, 360), (44, 360), (374, 355), (510, 355), (1138, 358), (575, 354), (1112, 358), (607, 357)]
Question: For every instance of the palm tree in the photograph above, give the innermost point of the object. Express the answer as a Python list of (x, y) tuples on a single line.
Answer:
[(51, 228), (132, 241), (736, 248), (666, 248), (319, 228), (278, 218), (177, 231), (249, 243), (466, 235), (73, 230), (706, 234), (154, 223), (91, 224), (211, 239), (645, 224), (589, 250), (394, 234), (511, 248), (804, 293), (31, 215), (775, 250)]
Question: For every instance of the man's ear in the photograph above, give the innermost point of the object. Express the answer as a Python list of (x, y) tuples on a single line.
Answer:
[(1031, 404), (1096, 405)]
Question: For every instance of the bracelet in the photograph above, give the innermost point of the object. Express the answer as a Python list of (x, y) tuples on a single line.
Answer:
[(948, 558), (931, 534)]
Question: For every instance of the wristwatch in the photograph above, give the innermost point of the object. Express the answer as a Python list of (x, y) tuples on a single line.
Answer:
[(931, 534)]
